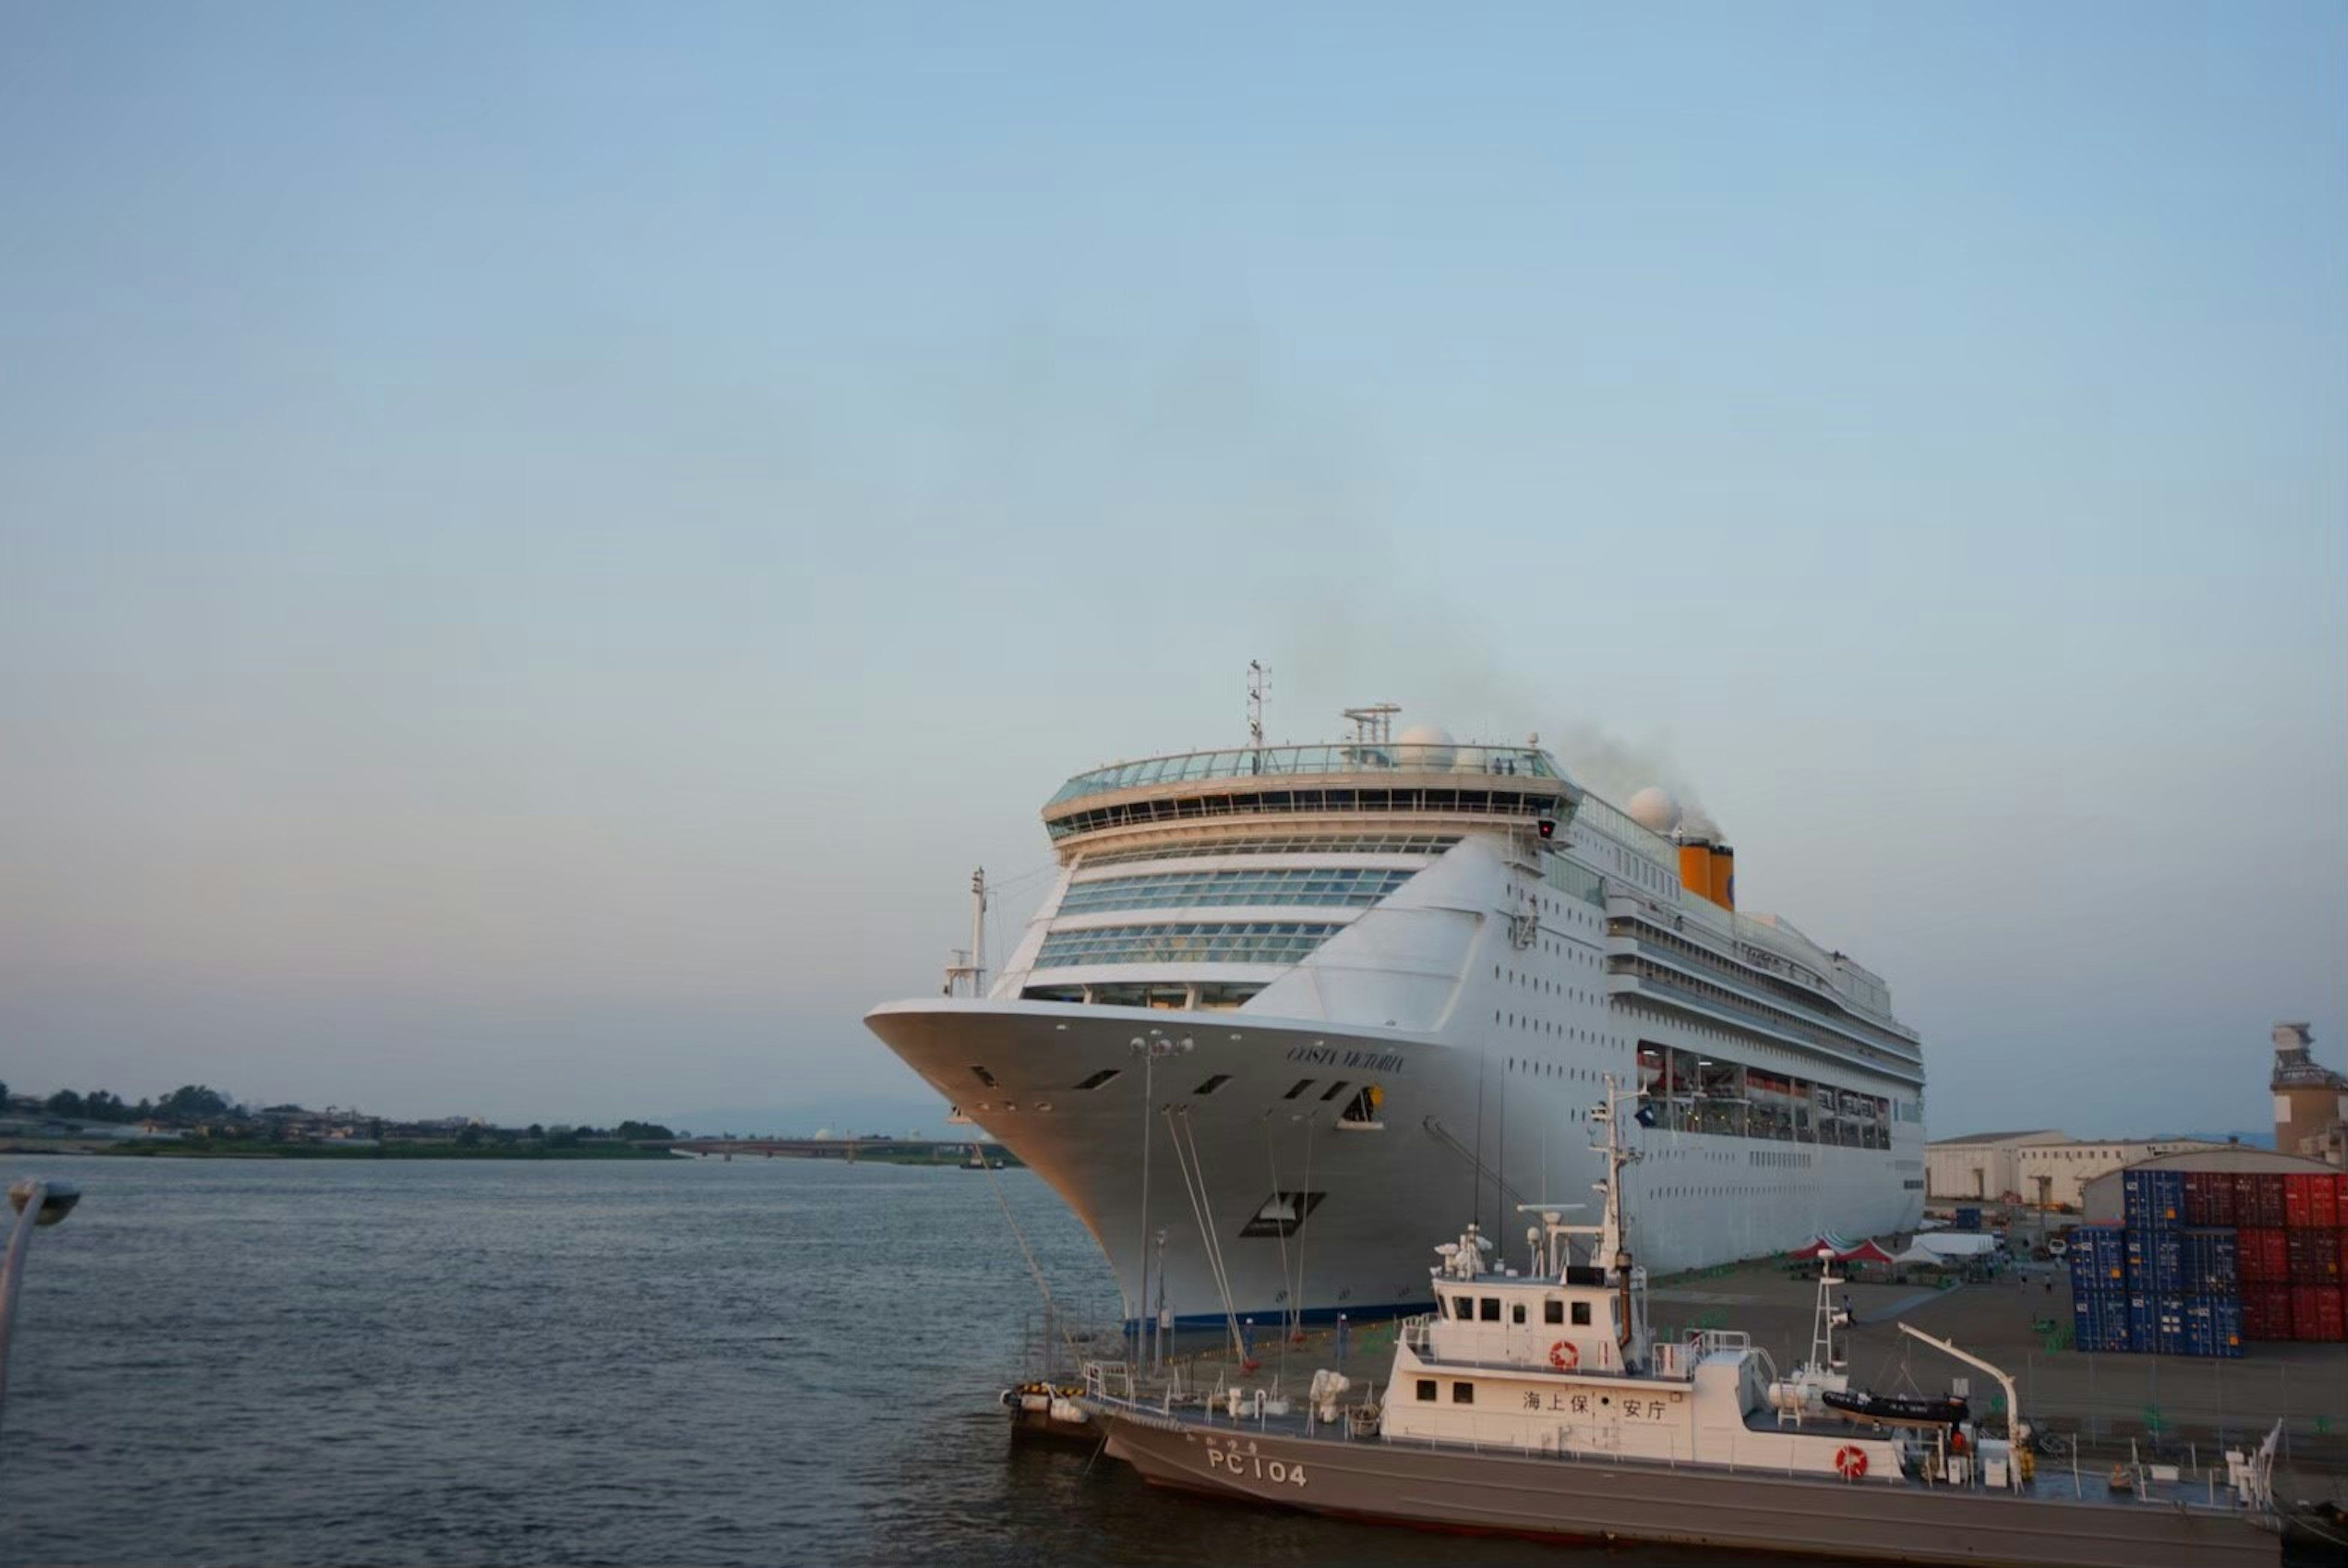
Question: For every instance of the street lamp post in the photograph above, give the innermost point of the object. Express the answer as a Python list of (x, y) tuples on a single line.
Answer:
[(37, 1203), (1149, 1047)]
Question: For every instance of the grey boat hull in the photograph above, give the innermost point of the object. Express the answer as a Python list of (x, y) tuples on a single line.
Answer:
[(1879, 1521)]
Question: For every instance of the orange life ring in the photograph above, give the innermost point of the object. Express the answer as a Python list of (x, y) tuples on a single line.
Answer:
[(1850, 1462), (1563, 1355)]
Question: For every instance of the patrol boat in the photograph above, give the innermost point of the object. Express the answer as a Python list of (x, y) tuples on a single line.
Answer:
[(1541, 1403)]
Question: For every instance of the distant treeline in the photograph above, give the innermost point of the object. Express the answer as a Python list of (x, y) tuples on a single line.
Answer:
[(198, 1105), (189, 1102)]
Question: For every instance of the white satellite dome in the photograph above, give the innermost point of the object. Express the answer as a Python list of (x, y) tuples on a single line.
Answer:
[(1654, 809), (1425, 747)]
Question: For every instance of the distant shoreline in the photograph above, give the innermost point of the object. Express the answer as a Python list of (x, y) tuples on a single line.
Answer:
[(198, 1149), (238, 1149)]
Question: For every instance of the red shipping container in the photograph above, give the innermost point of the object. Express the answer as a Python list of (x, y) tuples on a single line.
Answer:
[(2313, 1257), (2210, 1198), (2317, 1313), (2323, 1201), (2263, 1256), (2266, 1195), (2299, 1201), (2266, 1312)]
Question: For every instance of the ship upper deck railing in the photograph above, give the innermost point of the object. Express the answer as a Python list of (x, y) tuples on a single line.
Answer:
[(1375, 759)]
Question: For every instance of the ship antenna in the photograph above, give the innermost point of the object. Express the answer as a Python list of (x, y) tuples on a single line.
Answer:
[(1259, 683), (978, 932)]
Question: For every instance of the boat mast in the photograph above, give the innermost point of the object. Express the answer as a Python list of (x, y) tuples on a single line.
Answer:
[(970, 963), (978, 932), (1614, 1230)]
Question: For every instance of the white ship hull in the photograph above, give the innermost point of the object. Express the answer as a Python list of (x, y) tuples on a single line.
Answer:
[(1384, 983), (1453, 1119)]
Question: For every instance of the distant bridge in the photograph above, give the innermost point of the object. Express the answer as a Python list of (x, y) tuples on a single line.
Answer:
[(902, 1150)]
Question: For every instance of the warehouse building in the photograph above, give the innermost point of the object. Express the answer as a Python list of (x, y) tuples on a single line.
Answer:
[(2045, 1167)]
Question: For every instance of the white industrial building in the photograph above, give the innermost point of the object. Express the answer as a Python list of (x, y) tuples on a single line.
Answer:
[(2043, 1167)]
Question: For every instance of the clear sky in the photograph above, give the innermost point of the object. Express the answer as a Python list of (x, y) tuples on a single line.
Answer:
[(539, 543)]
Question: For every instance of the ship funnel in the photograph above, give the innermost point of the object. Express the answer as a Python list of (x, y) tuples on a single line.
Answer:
[(1707, 865)]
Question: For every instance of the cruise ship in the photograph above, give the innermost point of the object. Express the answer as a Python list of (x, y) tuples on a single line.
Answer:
[(1285, 1011)]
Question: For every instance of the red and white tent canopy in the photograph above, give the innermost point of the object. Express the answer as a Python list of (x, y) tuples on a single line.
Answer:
[(1825, 1243), (1866, 1251)]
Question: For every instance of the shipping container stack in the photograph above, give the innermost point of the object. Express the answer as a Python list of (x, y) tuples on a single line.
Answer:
[(2165, 1280), (2208, 1260), (2288, 1231)]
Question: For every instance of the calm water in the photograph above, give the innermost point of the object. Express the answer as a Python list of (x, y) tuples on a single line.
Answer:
[(682, 1362)]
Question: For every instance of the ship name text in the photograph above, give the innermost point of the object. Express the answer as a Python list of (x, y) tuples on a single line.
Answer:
[(1333, 1056)]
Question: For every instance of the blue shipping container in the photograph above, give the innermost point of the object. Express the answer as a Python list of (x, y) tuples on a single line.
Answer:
[(2169, 1319), (2099, 1321), (2099, 1258), (2155, 1261), (2210, 1261), (2152, 1200), (2213, 1326), (1968, 1219), (2143, 1321)]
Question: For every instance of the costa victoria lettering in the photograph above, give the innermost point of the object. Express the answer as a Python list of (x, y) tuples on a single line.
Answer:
[(1361, 1061)]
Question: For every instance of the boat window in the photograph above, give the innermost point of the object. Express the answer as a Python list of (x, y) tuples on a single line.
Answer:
[(1301, 1084), (1097, 1079), (1463, 1393), (1426, 1389), (1552, 1311), (1333, 1090), (1209, 1087), (1491, 1309), (1515, 1312), (1463, 1308), (1582, 1314)]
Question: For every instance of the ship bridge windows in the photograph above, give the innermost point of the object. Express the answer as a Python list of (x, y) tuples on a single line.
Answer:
[(1525, 804), (1349, 886), (1187, 942), (1219, 996), (1426, 844)]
